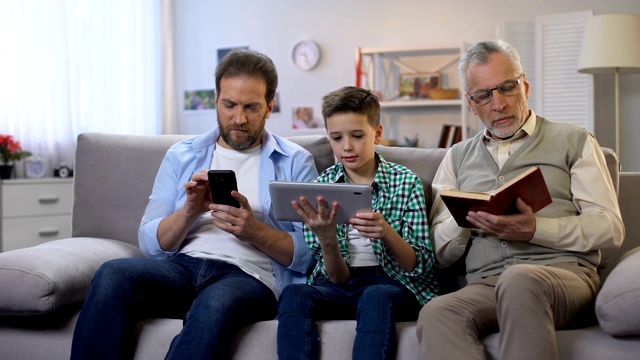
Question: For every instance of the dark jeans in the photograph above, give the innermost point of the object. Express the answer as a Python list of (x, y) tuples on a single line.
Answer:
[(370, 296), (215, 299)]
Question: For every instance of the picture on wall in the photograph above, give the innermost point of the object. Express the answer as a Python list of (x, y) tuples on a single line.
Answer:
[(419, 85), (198, 100), (224, 51), (306, 118)]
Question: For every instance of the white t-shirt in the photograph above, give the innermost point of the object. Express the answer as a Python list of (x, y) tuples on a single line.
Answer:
[(360, 250), (210, 242)]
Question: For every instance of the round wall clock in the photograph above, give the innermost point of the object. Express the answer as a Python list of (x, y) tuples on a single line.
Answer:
[(306, 54), (34, 167)]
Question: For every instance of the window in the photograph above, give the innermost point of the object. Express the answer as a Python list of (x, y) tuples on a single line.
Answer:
[(69, 67)]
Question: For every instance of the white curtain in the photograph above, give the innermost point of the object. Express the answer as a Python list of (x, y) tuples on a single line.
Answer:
[(73, 66)]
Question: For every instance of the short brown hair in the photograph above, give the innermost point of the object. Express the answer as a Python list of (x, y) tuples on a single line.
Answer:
[(247, 62), (351, 99)]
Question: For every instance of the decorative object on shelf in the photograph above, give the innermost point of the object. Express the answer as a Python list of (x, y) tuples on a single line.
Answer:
[(6, 172), (411, 142), (444, 94), (35, 167), (10, 152), (612, 45), (63, 171), (420, 84), (306, 54)]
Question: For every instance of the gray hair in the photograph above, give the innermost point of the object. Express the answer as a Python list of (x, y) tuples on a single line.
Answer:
[(479, 54)]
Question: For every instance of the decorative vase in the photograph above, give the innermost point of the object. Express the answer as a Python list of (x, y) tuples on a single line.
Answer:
[(6, 171)]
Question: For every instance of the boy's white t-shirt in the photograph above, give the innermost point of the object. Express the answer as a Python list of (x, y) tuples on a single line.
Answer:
[(360, 250), (210, 242)]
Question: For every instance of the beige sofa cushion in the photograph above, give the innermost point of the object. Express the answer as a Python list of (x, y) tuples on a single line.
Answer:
[(46, 277)]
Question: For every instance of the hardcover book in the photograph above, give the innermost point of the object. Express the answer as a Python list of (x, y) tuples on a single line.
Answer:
[(528, 186)]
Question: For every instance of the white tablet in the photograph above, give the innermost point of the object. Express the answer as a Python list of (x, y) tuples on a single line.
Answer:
[(351, 197)]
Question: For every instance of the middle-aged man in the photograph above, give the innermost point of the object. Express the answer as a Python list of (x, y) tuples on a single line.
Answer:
[(216, 266), (528, 274)]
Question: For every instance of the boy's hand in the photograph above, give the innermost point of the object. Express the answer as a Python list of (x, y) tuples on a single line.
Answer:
[(371, 224), (321, 220)]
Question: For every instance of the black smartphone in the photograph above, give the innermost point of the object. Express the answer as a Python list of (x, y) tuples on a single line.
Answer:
[(221, 183)]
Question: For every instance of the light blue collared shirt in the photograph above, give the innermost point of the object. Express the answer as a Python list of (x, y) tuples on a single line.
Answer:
[(280, 159)]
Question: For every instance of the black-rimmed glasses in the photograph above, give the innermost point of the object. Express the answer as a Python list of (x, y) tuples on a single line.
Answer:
[(507, 88)]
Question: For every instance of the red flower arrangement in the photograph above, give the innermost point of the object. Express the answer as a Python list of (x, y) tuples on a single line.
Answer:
[(10, 150)]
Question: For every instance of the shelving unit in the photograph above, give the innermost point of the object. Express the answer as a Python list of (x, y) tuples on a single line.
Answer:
[(379, 70)]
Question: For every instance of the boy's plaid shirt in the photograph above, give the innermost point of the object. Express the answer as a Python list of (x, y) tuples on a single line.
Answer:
[(397, 194)]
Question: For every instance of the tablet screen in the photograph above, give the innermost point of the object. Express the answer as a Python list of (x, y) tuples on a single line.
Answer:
[(351, 197)]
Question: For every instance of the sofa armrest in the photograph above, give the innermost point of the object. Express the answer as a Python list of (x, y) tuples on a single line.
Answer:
[(617, 303), (43, 278)]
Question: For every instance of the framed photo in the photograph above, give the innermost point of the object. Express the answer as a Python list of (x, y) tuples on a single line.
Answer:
[(198, 100), (419, 85), (306, 118)]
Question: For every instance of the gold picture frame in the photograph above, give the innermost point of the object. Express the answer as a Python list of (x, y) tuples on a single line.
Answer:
[(419, 84)]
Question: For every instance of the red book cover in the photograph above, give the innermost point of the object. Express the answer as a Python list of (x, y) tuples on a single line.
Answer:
[(529, 186)]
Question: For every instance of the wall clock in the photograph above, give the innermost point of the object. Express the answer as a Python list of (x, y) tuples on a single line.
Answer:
[(34, 167), (306, 54)]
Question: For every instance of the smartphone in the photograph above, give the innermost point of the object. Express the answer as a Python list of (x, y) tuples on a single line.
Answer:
[(221, 183)]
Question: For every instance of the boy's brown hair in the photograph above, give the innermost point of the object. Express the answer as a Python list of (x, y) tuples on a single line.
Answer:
[(351, 99)]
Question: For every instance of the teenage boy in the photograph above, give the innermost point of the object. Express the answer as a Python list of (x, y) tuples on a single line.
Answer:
[(378, 268)]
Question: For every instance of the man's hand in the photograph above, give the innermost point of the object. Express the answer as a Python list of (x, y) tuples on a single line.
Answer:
[(198, 195), (237, 221), (516, 227)]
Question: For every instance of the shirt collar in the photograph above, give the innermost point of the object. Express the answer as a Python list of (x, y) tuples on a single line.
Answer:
[(380, 179)]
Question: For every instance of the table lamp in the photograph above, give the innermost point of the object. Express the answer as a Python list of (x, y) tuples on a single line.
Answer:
[(612, 45)]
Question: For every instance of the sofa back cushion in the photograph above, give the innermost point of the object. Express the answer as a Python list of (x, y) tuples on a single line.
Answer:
[(113, 178)]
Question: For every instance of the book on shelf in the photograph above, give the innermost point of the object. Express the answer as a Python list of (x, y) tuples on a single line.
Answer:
[(528, 186), (451, 134)]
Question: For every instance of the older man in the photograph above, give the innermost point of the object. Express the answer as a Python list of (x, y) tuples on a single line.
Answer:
[(528, 274)]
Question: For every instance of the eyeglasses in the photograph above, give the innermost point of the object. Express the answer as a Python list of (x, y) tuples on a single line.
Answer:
[(507, 88)]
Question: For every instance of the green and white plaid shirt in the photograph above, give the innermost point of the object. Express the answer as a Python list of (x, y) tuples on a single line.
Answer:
[(398, 195)]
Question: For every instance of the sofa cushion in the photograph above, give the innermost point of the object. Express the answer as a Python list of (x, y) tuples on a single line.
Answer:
[(319, 147), (46, 277), (617, 303)]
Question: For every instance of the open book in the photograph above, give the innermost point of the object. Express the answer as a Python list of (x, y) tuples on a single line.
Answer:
[(528, 186)]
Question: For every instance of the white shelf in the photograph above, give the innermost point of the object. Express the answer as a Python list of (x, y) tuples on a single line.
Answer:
[(419, 103), (381, 68)]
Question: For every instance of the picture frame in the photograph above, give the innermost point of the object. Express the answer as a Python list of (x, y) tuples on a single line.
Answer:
[(199, 100), (307, 119), (419, 84)]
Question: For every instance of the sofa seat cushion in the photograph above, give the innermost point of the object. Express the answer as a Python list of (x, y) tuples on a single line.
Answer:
[(43, 278), (617, 303)]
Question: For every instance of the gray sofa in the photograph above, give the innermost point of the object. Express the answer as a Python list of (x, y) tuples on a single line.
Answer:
[(42, 288)]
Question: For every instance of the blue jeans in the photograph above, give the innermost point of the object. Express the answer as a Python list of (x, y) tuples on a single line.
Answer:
[(215, 299), (370, 296)]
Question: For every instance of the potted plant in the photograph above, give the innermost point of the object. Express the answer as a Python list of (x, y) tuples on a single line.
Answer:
[(10, 151)]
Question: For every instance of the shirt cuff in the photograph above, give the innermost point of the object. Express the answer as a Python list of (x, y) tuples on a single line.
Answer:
[(546, 232)]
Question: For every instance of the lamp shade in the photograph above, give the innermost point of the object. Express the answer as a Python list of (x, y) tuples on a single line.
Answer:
[(611, 41)]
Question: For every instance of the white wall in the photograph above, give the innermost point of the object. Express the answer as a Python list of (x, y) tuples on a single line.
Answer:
[(339, 26)]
